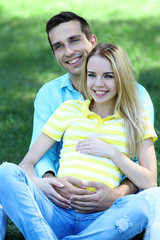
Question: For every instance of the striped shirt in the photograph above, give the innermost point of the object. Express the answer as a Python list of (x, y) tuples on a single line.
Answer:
[(73, 121)]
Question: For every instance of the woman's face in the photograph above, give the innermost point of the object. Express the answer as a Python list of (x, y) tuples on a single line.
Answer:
[(101, 82)]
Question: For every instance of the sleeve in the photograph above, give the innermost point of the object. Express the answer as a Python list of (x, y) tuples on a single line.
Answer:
[(149, 130), (42, 112), (56, 124), (146, 102)]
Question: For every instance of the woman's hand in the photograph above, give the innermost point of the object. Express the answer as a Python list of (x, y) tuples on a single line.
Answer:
[(59, 190), (95, 146)]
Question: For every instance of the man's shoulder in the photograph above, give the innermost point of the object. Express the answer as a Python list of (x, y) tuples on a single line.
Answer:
[(56, 83), (141, 89)]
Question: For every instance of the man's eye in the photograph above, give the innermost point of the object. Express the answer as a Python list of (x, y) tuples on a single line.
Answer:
[(75, 40), (58, 46)]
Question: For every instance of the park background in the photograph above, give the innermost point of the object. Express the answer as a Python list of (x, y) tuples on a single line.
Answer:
[(26, 60)]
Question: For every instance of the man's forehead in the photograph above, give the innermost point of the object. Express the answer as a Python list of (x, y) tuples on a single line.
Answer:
[(65, 31)]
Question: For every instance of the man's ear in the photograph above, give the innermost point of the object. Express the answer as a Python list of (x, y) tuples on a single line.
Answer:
[(93, 40), (53, 52)]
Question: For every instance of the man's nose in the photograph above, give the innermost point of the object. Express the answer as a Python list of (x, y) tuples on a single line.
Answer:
[(68, 50)]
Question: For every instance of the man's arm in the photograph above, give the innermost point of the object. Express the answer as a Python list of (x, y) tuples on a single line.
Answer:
[(42, 112), (103, 198)]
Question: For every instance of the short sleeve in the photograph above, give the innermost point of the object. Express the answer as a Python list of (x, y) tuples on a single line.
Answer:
[(149, 130), (56, 125)]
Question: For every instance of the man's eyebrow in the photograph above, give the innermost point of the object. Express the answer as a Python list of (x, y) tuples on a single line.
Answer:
[(75, 36), (70, 38)]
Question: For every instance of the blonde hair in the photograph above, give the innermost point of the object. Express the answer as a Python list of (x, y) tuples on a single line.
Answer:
[(128, 102)]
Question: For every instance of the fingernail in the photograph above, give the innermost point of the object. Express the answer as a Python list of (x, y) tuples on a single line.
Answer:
[(69, 208), (85, 182), (61, 185)]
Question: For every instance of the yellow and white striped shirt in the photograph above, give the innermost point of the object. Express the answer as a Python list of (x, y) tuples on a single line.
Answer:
[(74, 121)]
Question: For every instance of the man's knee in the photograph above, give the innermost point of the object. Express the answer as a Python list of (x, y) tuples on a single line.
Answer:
[(134, 215), (135, 206), (141, 204)]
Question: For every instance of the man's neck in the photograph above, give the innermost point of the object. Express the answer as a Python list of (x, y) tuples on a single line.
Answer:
[(75, 82)]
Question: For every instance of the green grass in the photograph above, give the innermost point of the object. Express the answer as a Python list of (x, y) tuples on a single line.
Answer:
[(26, 61)]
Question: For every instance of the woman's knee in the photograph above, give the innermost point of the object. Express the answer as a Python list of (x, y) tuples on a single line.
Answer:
[(8, 171)]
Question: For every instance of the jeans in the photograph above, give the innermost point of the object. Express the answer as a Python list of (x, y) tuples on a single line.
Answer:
[(3, 223), (152, 195), (38, 218)]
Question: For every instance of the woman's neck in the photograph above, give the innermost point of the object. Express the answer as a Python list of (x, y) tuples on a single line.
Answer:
[(103, 110)]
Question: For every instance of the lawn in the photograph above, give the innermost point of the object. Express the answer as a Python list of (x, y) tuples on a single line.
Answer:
[(26, 61)]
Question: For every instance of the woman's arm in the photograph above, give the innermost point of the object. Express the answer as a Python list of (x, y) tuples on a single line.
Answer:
[(46, 185), (38, 149), (143, 175)]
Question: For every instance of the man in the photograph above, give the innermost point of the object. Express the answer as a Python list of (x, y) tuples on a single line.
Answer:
[(71, 40)]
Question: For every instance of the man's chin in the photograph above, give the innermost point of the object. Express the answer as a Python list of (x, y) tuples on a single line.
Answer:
[(75, 74)]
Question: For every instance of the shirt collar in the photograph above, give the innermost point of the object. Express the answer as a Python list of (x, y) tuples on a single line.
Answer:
[(86, 112), (66, 82)]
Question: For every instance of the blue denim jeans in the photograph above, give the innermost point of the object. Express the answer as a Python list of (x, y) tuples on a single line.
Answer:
[(38, 218), (3, 223), (152, 195)]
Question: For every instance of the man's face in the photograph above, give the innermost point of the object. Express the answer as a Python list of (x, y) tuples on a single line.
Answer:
[(70, 46)]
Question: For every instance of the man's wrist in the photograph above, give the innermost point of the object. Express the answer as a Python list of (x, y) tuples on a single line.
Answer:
[(116, 194), (48, 174), (126, 188)]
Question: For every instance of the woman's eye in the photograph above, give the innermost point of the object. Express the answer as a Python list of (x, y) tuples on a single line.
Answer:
[(108, 76), (91, 75)]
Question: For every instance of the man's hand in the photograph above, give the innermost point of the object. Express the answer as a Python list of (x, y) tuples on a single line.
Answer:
[(99, 201), (60, 195), (103, 198)]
